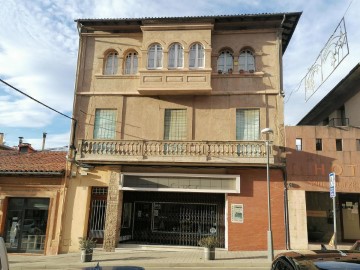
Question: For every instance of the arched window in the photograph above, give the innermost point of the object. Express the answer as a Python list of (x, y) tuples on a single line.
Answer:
[(225, 62), (176, 56), (131, 63), (155, 56), (246, 61), (197, 56), (111, 63)]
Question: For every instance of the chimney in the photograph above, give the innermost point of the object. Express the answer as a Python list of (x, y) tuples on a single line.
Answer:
[(43, 143), (1, 138)]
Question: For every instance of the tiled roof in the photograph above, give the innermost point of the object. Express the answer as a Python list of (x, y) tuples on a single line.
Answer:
[(32, 163)]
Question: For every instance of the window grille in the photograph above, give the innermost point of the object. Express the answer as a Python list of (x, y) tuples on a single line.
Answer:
[(104, 126), (175, 124), (99, 190), (247, 124)]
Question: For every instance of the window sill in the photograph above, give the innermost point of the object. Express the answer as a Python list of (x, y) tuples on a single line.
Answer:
[(245, 74), (120, 76)]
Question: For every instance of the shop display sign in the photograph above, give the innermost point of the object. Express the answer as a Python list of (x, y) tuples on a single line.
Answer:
[(237, 213)]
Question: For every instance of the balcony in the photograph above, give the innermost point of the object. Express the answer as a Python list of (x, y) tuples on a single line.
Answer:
[(184, 152)]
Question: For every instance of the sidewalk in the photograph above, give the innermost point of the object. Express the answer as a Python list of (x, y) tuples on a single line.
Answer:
[(143, 256)]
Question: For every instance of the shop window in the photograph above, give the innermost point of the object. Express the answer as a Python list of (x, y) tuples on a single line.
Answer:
[(104, 125), (126, 216), (338, 143), (298, 144), (247, 124), (196, 56), (318, 144)]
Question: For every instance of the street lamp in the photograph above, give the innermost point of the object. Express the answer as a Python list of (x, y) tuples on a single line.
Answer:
[(268, 131)]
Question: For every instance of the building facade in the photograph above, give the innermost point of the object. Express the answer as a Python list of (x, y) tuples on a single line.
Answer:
[(168, 143), (326, 140), (32, 197)]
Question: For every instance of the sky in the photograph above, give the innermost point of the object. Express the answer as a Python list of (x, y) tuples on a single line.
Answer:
[(39, 44)]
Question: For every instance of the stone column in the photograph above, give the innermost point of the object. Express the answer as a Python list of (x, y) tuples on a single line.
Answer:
[(113, 212)]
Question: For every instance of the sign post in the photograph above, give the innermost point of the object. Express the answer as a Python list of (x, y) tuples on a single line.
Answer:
[(332, 182)]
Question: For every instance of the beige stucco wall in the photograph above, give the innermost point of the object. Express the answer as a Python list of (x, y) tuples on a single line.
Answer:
[(297, 219), (75, 219)]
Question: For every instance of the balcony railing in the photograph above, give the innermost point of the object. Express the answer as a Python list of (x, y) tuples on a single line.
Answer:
[(181, 151)]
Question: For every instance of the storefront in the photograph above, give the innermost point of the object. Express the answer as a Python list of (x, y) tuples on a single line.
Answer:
[(26, 224)]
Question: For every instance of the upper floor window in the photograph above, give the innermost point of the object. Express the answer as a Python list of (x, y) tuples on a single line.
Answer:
[(338, 143), (225, 62), (111, 63), (318, 144), (176, 56), (175, 124), (298, 144), (357, 145), (105, 124), (197, 56), (155, 53), (247, 124), (131, 63), (246, 61)]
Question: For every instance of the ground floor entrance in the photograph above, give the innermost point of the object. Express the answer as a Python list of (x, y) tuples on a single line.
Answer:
[(320, 217), (173, 218), (26, 224), (166, 218)]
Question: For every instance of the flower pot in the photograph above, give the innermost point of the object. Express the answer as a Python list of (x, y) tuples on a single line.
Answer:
[(209, 253), (86, 255)]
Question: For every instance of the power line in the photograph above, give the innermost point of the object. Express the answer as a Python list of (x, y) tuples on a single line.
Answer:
[(43, 104)]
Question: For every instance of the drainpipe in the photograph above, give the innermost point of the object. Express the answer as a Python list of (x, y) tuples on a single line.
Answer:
[(286, 210)]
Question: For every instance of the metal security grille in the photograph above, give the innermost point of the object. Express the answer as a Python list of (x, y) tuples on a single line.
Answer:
[(177, 219), (175, 124), (98, 213), (247, 124), (104, 126)]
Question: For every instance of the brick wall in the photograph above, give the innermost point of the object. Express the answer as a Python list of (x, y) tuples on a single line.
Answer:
[(252, 234)]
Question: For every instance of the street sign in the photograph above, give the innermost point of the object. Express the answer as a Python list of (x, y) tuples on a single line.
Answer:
[(332, 185)]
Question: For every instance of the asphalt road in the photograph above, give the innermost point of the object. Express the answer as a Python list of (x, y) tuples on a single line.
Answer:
[(173, 268)]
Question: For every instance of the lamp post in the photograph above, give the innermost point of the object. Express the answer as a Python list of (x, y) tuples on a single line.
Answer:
[(268, 131)]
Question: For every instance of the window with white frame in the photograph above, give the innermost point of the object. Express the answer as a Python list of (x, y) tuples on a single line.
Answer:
[(225, 62), (298, 144), (105, 124), (175, 124), (155, 54), (131, 63), (176, 56), (246, 61), (196, 56), (247, 124), (111, 63)]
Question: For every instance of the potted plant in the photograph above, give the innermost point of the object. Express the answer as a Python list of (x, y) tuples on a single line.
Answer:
[(86, 245), (209, 243)]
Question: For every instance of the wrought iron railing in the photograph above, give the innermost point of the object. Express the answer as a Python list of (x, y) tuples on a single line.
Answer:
[(339, 122), (152, 148)]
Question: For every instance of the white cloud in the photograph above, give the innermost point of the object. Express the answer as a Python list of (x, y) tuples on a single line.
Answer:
[(39, 43)]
